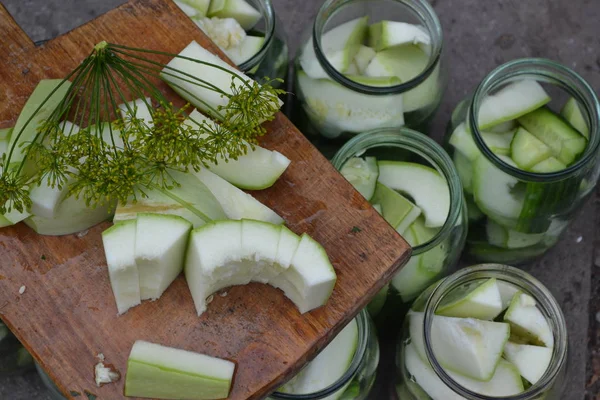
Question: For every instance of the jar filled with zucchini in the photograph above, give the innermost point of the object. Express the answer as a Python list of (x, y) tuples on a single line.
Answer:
[(526, 148)]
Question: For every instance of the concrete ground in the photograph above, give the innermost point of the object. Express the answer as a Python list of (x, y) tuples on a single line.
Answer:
[(479, 35)]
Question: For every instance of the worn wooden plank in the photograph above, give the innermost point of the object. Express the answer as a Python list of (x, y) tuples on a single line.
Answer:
[(67, 315)]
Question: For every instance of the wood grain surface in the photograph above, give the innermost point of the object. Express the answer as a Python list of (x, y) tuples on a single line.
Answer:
[(67, 315)]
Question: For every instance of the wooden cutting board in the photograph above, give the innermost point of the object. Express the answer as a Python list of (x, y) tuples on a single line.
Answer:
[(67, 314)]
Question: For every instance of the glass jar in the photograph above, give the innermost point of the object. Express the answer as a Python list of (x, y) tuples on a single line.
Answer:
[(14, 358), (544, 203), (550, 384), (357, 381), (334, 105), (433, 258), (272, 60)]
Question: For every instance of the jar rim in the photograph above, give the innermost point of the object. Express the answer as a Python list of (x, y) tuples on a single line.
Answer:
[(268, 13), (549, 71), (427, 16), (419, 144), (544, 299), (364, 333)]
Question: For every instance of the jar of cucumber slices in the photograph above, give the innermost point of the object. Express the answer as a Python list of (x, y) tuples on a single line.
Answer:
[(248, 32), (412, 182), (344, 370), (526, 148), (368, 64), (14, 358), (487, 331)]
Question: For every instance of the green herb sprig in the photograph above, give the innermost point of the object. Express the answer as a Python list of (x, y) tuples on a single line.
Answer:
[(122, 157)]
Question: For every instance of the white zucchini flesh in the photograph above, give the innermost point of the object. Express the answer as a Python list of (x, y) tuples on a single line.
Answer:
[(258, 169), (466, 346), (511, 102), (336, 109), (158, 371), (423, 184), (160, 244), (221, 255), (201, 6), (236, 203), (186, 8), (526, 320), (385, 34), (478, 299), (119, 248), (328, 366), (339, 45), (531, 361), (246, 49), (72, 216), (240, 10), (176, 74)]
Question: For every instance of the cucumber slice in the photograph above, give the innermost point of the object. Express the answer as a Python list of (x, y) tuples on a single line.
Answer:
[(200, 6), (550, 164), (406, 63), (507, 292), (478, 299), (422, 269), (466, 346), (194, 92), (119, 248), (363, 57), (258, 169), (72, 216), (572, 113), (531, 361), (385, 34), (5, 136), (25, 130), (505, 127), (511, 102), (527, 150), (217, 258), (236, 203), (167, 373), (160, 242), (425, 377), (244, 51), (335, 109), (362, 174), (398, 211), (328, 366), (462, 140), (191, 200), (240, 10), (339, 45), (465, 170), (499, 143), (505, 382), (495, 192), (527, 321), (565, 142), (377, 302), (423, 184)]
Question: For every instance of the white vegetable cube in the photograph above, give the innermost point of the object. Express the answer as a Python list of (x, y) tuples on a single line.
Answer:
[(531, 361), (286, 247), (526, 320), (311, 273), (467, 346), (259, 244), (160, 246), (119, 247), (167, 373)]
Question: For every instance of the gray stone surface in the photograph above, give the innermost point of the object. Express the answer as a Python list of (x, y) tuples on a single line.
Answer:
[(479, 35)]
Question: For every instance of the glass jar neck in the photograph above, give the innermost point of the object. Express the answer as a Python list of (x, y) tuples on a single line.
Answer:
[(543, 71), (419, 8), (265, 7), (422, 146), (364, 333), (527, 284)]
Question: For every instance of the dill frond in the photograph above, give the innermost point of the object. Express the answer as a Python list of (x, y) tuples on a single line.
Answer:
[(110, 154)]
